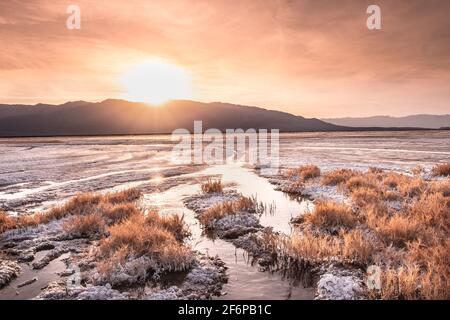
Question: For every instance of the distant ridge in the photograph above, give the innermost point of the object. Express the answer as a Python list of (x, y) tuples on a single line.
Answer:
[(123, 117), (417, 121)]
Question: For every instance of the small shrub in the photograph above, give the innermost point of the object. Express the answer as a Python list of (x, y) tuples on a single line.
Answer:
[(375, 170), (364, 196), (82, 204), (305, 172), (442, 170), (391, 196), (331, 214), (221, 210), (399, 229), (87, 226), (357, 247), (336, 177), (357, 182), (310, 247), (212, 186), (413, 188), (147, 237), (114, 213)]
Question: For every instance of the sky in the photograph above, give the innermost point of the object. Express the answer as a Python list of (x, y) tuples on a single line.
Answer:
[(315, 58)]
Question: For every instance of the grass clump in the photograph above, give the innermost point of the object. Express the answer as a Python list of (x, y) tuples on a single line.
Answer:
[(337, 177), (82, 204), (227, 208), (305, 172), (212, 186), (84, 226), (331, 214), (442, 169), (6, 222), (154, 237), (310, 247), (357, 247)]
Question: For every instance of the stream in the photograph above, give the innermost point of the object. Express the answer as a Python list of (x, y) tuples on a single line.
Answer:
[(245, 281)]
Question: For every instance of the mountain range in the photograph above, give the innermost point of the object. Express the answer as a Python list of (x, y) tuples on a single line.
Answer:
[(123, 117), (417, 121), (112, 116)]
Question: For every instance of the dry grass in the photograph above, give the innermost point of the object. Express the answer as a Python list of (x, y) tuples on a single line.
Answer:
[(305, 172), (336, 177), (82, 204), (398, 229), (442, 187), (442, 170), (357, 247), (361, 181), (391, 196), (375, 170), (364, 196), (114, 213), (318, 247), (393, 180), (308, 246), (413, 188), (155, 237), (6, 222), (212, 186), (331, 214), (84, 226), (223, 209), (409, 242)]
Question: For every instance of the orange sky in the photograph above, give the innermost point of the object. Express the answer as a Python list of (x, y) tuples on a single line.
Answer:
[(307, 57)]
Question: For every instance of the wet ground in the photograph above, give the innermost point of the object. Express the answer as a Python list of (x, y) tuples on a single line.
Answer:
[(37, 173)]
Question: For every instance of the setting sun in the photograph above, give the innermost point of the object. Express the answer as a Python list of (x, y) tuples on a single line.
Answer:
[(156, 82)]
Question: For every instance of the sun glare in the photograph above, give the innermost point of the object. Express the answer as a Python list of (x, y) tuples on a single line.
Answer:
[(156, 82)]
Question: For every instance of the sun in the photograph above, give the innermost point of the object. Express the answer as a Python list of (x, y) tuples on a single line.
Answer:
[(155, 82)]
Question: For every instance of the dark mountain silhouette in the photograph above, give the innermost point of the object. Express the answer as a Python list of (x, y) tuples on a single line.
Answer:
[(124, 117), (418, 121)]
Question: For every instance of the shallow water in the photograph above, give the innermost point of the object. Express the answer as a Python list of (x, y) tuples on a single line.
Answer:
[(44, 276), (245, 281)]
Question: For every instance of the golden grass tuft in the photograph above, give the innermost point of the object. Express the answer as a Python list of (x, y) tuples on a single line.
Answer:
[(331, 214), (84, 226), (375, 170), (226, 208), (305, 172), (368, 181), (114, 213), (317, 247), (155, 237), (82, 204), (310, 247), (442, 187), (338, 176), (364, 196), (442, 169), (413, 188), (357, 247), (391, 195), (6, 222), (399, 229), (212, 186)]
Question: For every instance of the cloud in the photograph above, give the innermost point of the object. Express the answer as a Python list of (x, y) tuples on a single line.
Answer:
[(312, 57)]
